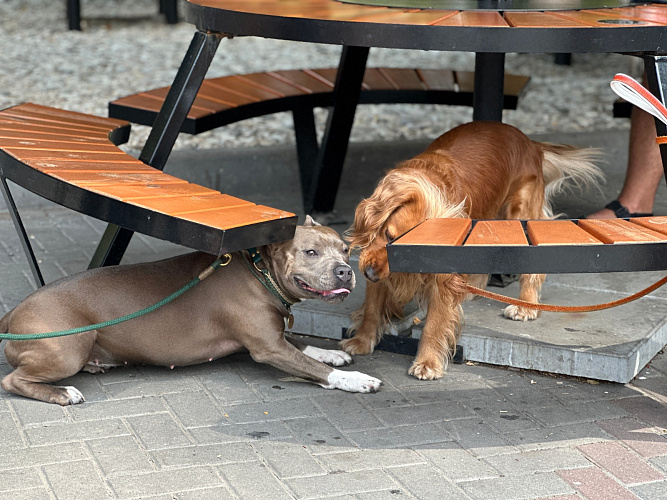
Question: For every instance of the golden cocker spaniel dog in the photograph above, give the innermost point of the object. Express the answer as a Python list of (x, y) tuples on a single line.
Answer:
[(480, 170)]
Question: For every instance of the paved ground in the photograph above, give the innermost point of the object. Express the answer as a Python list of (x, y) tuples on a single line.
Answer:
[(236, 429)]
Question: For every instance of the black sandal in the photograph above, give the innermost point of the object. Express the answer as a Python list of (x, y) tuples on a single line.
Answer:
[(623, 213)]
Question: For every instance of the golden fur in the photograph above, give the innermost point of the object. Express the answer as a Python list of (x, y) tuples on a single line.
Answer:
[(481, 170)]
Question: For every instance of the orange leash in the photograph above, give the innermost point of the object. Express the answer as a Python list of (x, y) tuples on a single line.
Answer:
[(569, 309)]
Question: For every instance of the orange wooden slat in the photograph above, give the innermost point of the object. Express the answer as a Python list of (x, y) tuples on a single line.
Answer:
[(474, 18), (28, 156), (497, 232), (233, 85), (65, 121), (74, 117), (37, 144), (558, 232), (200, 107), (270, 83), (601, 20), (437, 232), (639, 13), (301, 80), (426, 17), (237, 216), (216, 92), (152, 190), (181, 205), (403, 78), (144, 100), (8, 131), (375, 80), (28, 124), (658, 224), (86, 179), (540, 20), (619, 231), (437, 79), (82, 166)]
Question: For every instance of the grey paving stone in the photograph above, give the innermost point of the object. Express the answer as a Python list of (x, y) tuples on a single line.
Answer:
[(116, 409), (345, 483), (19, 479), (75, 431), (171, 481), (455, 463), (502, 415), (517, 487), (316, 432), (651, 491), (557, 437), (76, 480), (26, 494), (399, 437), (426, 482), (531, 462), (30, 413), (254, 480), (219, 493), (347, 411), (153, 387), (370, 459), (41, 455), (423, 413), (212, 454), (271, 410), (194, 409), (10, 435), (232, 433), (288, 459), (120, 455), (158, 431), (576, 413), (477, 437)]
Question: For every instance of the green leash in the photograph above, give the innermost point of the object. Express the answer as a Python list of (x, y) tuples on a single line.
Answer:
[(205, 274)]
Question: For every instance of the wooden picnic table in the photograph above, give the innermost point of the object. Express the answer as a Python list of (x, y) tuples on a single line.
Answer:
[(490, 28)]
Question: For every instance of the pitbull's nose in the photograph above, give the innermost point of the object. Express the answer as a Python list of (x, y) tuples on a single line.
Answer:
[(343, 273)]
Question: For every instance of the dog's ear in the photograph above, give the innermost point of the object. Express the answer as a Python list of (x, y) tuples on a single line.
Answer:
[(310, 221)]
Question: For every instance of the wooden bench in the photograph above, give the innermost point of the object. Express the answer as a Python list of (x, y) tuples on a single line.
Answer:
[(534, 246), (229, 99), (73, 159)]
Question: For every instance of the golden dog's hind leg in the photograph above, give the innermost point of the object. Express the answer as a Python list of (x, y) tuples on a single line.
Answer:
[(369, 321), (441, 330), (531, 286)]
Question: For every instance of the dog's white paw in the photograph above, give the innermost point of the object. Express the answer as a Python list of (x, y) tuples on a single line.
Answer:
[(520, 313), (352, 382), (74, 395), (330, 357)]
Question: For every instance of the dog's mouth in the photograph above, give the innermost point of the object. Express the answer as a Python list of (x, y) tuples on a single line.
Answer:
[(325, 294)]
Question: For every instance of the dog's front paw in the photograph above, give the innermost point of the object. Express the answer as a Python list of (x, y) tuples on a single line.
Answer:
[(520, 313), (352, 382), (357, 345), (427, 370), (65, 395), (330, 357)]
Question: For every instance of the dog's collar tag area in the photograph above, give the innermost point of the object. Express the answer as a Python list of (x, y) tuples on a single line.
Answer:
[(289, 321), (269, 282)]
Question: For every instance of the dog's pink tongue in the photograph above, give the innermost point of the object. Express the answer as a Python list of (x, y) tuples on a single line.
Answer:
[(337, 291)]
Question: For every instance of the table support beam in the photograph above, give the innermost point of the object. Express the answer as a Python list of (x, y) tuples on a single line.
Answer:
[(163, 135), (489, 86), (321, 188)]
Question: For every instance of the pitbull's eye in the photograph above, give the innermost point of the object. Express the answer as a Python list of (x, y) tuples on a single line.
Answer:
[(310, 253), (346, 250)]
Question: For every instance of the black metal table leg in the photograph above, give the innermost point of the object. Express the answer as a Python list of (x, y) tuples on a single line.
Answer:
[(320, 195), (656, 77), (489, 86), (20, 229), (74, 14), (165, 130)]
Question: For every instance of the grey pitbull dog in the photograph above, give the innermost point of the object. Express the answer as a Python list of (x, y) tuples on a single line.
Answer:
[(227, 312)]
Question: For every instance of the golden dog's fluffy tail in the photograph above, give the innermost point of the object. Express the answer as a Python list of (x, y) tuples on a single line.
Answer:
[(566, 167)]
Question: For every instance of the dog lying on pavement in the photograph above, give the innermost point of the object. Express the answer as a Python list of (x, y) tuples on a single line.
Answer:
[(227, 312)]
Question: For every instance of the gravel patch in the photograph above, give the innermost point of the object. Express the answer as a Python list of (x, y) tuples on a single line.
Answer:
[(126, 47)]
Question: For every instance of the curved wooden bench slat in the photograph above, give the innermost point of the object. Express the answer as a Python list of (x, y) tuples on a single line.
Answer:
[(229, 99), (73, 159), (534, 246)]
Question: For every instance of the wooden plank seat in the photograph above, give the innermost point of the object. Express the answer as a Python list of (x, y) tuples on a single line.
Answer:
[(532, 246), (73, 159), (229, 99)]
